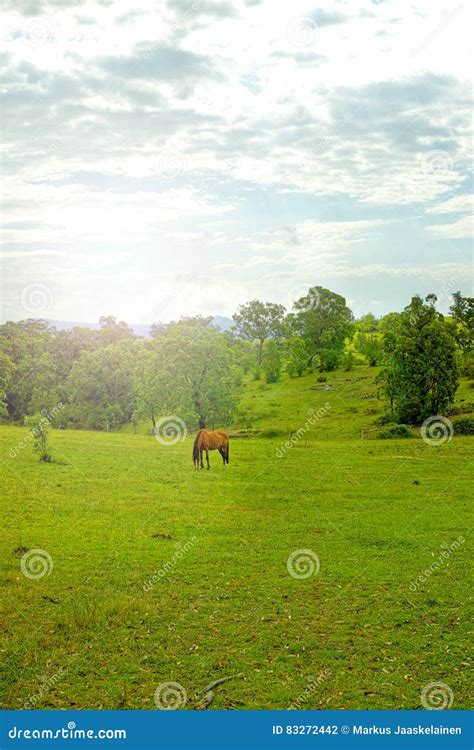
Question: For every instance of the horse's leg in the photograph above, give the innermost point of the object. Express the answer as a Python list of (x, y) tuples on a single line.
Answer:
[(207, 459), (222, 452), (201, 452)]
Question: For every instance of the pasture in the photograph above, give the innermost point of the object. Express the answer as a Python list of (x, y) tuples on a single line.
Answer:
[(166, 574)]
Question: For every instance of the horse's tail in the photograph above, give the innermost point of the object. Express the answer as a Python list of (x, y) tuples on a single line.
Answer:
[(196, 447), (227, 451)]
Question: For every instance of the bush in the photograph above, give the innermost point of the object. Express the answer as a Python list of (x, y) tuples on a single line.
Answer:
[(321, 379), (464, 426), (39, 426), (271, 433), (395, 431), (348, 361), (383, 419)]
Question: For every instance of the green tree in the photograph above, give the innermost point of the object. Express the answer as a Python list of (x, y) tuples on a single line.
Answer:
[(369, 345), (271, 361), (39, 426), (420, 373), (7, 374), (324, 321), (100, 386), (462, 311), (191, 373), (259, 321), (298, 356)]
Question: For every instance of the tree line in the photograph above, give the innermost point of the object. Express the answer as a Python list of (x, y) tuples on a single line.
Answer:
[(106, 378)]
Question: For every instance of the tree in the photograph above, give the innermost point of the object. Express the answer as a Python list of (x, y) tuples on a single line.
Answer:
[(39, 427), (324, 321), (259, 321), (369, 345), (191, 373), (271, 362), (298, 356), (112, 331), (100, 386), (7, 373), (462, 311), (420, 374)]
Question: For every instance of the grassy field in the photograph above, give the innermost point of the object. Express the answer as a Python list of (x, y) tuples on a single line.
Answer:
[(163, 574)]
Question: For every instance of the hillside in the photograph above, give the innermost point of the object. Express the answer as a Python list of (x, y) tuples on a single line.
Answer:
[(345, 404)]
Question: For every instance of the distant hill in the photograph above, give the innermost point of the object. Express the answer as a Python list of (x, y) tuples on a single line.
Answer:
[(139, 329)]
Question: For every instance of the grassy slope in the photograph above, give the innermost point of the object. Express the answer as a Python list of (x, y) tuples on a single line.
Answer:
[(375, 512)]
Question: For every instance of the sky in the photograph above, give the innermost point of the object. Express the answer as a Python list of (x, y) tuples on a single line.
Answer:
[(182, 157)]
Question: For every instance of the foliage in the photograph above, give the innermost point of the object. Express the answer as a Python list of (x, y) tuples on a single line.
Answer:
[(100, 386), (259, 321), (395, 431), (189, 372), (420, 373), (324, 322), (464, 426), (298, 356), (369, 345), (39, 427), (271, 362), (462, 310)]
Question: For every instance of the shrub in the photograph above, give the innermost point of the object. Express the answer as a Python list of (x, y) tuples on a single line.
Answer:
[(383, 419), (39, 426), (271, 433), (321, 379), (395, 431), (464, 426)]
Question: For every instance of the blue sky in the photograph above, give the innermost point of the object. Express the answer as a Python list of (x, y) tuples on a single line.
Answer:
[(187, 158)]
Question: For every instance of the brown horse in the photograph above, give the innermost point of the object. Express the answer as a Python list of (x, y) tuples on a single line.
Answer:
[(210, 441)]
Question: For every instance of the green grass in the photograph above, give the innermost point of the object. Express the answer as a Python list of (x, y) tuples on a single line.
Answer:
[(117, 508)]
